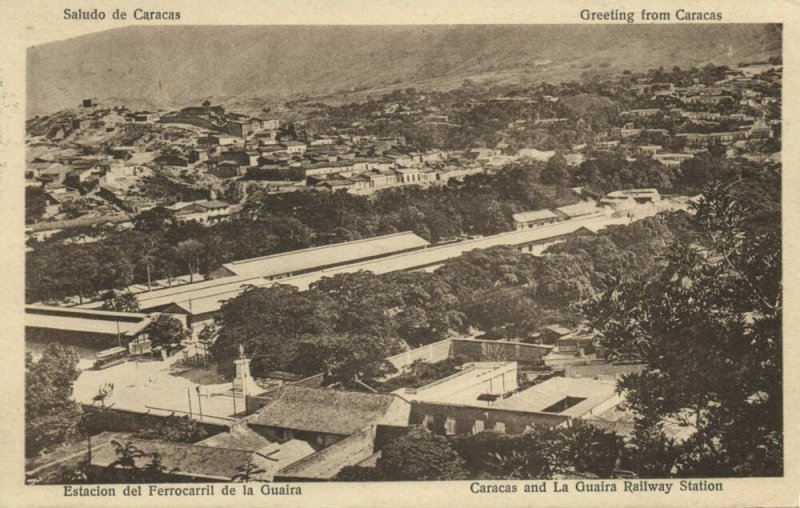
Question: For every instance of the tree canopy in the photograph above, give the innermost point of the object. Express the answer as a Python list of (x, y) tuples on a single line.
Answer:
[(167, 332), (708, 326), (420, 455), (175, 429), (51, 417)]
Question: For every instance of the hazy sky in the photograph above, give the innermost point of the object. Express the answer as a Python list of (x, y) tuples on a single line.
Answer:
[(41, 21)]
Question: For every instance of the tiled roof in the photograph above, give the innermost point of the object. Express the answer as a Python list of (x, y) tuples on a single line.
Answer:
[(602, 370), (184, 459), (239, 438), (326, 463), (622, 429), (324, 410)]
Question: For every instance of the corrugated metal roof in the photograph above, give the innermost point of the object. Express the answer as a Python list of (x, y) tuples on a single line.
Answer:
[(207, 296), (534, 215), (602, 370), (325, 255), (84, 320)]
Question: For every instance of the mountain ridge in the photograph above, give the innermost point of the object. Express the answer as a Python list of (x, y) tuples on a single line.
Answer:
[(179, 65)]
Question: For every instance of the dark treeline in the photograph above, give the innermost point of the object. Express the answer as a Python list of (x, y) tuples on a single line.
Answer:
[(345, 325), (158, 247)]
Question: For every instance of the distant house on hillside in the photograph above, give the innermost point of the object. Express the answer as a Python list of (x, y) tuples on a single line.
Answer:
[(205, 211), (294, 146), (532, 219), (582, 209)]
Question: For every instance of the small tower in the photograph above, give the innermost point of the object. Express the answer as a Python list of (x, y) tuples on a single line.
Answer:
[(242, 373)]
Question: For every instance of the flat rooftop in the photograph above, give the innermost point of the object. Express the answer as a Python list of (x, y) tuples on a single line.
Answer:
[(566, 396), (464, 387)]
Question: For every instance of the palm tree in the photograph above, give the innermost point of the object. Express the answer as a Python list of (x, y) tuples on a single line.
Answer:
[(78, 475), (190, 251), (155, 470), (495, 353), (126, 455), (207, 337), (247, 472)]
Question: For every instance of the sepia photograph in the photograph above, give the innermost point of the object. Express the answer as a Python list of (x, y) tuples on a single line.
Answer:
[(275, 255)]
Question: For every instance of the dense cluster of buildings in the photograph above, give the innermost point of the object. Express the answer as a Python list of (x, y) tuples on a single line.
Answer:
[(732, 112), (301, 431), (273, 151), (296, 429), (203, 149)]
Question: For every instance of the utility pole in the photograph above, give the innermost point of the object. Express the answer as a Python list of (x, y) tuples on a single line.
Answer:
[(147, 265), (114, 299), (245, 368), (199, 402), (234, 399), (87, 430), (88, 443), (189, 396)]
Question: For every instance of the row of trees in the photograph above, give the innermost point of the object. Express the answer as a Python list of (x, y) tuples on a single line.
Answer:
[(604, 172), (161, 248)]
